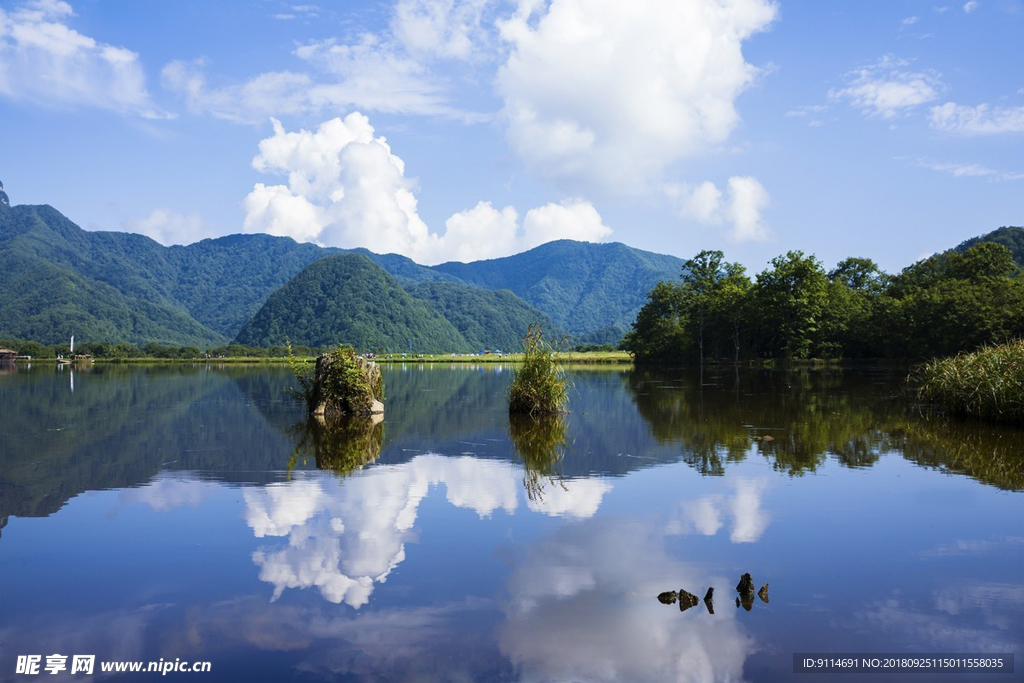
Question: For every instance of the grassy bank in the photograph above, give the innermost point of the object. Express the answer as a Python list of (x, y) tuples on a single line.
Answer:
[(986, 384)]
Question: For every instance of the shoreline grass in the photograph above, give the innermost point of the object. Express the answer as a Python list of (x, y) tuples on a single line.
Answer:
[(987, 384)]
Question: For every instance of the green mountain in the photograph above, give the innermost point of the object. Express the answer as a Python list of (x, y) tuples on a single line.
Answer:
[(589, 290), (57, 281), (1010, 237), (349, 299), (487, 319), (110, 286)]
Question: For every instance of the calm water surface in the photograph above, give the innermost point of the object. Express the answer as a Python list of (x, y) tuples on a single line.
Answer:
[(191, 512)]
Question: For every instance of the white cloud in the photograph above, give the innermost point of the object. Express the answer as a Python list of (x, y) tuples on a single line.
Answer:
[(910, 21), (970, 6), (612, 92), (386, 72), (451, 29), (742, 209), (168, 227), (969, 170), (45, 61), (886, 90), (346, 188), (980, 120)]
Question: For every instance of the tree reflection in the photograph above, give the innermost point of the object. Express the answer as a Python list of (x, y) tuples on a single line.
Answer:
[(797, 419), (341, 445), (540, 442)]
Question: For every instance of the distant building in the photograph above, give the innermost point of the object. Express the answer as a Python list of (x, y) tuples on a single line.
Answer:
[(8, 356)]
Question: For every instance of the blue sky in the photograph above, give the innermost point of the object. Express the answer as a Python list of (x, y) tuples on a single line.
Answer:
[(466, 129)]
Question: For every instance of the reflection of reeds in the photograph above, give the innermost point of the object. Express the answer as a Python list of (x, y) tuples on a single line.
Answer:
[(341, 445), (540, 442), (988, 383)]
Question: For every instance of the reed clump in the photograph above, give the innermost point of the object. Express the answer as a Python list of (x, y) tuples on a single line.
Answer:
[(986, 384), (539, 386)]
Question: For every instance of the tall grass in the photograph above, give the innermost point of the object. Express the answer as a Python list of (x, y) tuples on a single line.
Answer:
[(987, 384), (539, 386)]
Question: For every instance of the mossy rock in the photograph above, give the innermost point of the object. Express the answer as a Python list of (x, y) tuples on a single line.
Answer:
[(345, 383)]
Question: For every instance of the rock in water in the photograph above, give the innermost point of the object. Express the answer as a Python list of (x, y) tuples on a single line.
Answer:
[(763, 593), (746, 585), (667, 598), (710, 595), (345, 383)]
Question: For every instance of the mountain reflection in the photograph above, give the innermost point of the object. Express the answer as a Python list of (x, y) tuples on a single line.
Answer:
[(125, 425)]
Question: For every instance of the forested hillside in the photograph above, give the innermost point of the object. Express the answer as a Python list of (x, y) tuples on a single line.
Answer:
[(593, 291), (487, 319), (349, 299)]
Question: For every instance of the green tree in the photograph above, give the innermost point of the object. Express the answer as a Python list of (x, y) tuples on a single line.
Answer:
[(659, 333), (791, 297), (701, 277)]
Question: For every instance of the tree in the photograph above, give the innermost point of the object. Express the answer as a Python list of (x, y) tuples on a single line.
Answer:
[(659, 333), (702, 277), (791, 297), (732, 303)]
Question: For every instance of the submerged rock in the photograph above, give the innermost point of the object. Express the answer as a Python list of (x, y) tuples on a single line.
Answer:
[(763, 593), (667, 598), (710, 595)]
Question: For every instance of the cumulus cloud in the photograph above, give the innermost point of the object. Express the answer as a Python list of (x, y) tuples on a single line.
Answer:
[(980, 120), (887, 90), (168, 227), (45, 61), (741, 208), (346, 188), (970, 6), (612, 92)]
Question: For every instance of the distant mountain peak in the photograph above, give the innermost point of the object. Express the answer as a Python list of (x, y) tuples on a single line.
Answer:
[(4, 199)]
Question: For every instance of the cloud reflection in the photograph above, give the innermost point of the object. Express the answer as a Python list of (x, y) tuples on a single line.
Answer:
[(344, 536), (582, 607), (707, 515)]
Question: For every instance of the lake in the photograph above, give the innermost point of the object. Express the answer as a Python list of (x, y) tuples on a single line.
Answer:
[(191, 513)]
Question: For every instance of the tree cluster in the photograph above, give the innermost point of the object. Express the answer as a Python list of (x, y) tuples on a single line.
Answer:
[(796, 310)]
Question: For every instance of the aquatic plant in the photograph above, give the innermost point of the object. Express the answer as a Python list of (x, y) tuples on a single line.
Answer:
[(987, 384), (539, 385)]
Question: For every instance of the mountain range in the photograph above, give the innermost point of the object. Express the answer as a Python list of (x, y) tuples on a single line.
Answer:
[(57, 278)]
